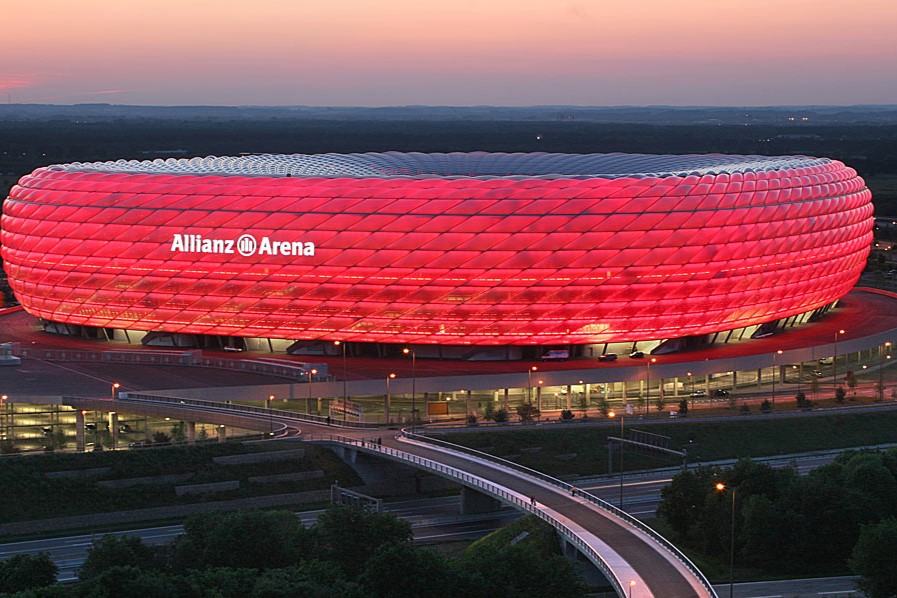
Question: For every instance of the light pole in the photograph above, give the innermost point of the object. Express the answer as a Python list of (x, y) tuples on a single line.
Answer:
[(386, 404), (408, 351), (775, 374), (631, 585), (721, 488), (881, 363), (648, 384), (311, 373), (794, 367), (3, 429), (529, 384), (835, 362), (115, 386), (691, 381), (622, 418), (345, 373), (270, 415)]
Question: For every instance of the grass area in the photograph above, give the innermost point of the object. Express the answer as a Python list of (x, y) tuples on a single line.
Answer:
[(583, 452), (29, 494)]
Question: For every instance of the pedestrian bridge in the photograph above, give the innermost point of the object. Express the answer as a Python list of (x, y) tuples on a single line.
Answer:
[(637, 561)]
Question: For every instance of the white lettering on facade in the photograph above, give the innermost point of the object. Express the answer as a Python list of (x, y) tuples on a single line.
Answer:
[(246, 245)]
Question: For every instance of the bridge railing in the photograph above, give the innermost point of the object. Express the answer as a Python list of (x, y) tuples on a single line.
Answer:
[(567, 487), (490, 488), (279, 413)]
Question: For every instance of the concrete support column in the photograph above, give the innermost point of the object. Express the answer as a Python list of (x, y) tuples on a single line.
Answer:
[(222, 433), (676, 388), (79, 430), (569, 396), (467, 411), (660, 390), (624, 391), (539, 398), (759, 376), (507, 400), (707, 384), (734, 380), (191, 432), (113, 429)]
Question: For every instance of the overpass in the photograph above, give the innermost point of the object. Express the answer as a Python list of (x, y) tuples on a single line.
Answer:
[(636, 560)]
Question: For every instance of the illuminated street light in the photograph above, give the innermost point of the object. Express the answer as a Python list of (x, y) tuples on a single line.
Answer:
[(529, 384), (115, 386), (881, 363), (386, 403), (311, 373), (775, 374), (631, 585), (408, 351), (648, 384), (835, 361), (345, 374), (720, 487)]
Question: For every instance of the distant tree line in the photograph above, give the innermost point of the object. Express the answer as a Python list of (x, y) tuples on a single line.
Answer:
[(268, 554), (839, 516)]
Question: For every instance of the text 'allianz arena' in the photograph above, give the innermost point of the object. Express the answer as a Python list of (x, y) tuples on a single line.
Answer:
[(468, 248)]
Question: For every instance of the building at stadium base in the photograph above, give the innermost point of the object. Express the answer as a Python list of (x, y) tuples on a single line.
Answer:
[(493, 253)]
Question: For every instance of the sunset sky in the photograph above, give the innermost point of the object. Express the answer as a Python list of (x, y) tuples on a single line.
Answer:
[(449, 52)]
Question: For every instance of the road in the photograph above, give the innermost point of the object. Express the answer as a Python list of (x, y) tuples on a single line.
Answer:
[(432, 521)]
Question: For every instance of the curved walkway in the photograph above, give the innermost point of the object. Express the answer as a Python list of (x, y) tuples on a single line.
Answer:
[(619, 545)]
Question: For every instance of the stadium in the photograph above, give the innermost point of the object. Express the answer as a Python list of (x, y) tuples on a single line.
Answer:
[(575, 251)]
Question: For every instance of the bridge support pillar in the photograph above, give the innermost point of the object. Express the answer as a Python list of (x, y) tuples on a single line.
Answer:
[(569, 397), (222, 433), (507, 400), (191, 432), (79, 430), (473, 502)]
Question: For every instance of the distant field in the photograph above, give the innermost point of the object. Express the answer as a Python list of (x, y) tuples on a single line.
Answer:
[(884, 194)]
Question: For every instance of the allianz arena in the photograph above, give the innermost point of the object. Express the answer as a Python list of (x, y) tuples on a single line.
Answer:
[(450, 249)]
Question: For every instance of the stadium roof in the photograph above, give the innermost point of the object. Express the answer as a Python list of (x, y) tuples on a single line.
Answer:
[(455, 165)]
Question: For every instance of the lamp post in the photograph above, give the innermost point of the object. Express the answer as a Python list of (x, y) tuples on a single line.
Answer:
[(345, 373), (881, 363), (835, 361), (794, 367), (3, 422), (631, 585), (386, 404), (775, 374), (270, 415), (115, 386), (529, 384), (408, 351), (622, 418), (721, 488), (648, 384), (311, 373)]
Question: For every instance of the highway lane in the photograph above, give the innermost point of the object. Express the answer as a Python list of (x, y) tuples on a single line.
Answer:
[(432, 521)]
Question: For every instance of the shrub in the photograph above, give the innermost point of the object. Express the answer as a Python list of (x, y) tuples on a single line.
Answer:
[(566, 415), (500, 416), (765, 406)]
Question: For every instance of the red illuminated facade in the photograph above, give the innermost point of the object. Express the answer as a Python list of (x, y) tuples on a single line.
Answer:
[(483, 249)]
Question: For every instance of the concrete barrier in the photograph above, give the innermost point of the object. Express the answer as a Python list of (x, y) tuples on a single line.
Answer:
[(207, 488), (250, 458)]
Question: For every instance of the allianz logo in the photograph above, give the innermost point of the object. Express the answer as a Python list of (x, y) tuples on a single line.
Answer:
[(245, 245)]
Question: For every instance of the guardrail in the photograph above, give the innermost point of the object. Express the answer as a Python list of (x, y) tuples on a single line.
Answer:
[(492, 489), (292, 415), (567, 487)]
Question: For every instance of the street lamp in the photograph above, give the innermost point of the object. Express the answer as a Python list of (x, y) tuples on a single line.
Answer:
[(631, 585), (408, 351), (115, 386), (720, 487), (648, 384), (835, 361), (622, 418), (270, 415), (345, 374), (775, 374), (386, 404), (881, 363), (529, 384), (311, 373), (794, 367), (691, 381)]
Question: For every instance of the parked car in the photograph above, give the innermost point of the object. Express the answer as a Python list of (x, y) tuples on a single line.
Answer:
[(818, 374), (637, 354), (608, 357), (556, 354), (720, 392), (699, 393)]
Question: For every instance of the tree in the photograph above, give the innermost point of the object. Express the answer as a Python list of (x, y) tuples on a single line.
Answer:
[(489, 411), (765, 406), (179, 432), (501, 416), (873, 559), (160, 437), (603, 406), (247, 539), (349, 537), (566, 414), (26, 571), (583, 404), (851, 381), (683, 499), (683, 407), (802, 401), (528, 412), (111, 551), (422, 572), (840, 394)]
